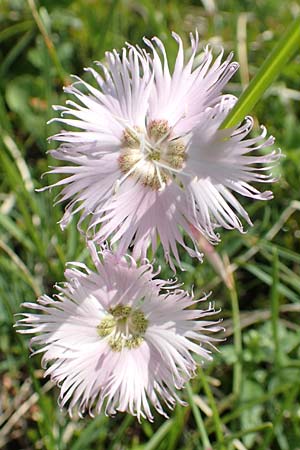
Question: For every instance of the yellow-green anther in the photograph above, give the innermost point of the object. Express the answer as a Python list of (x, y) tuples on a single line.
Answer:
[(124, 326)]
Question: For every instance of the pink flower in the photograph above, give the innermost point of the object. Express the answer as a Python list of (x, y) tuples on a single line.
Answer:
[(119, 339), (149, 160)]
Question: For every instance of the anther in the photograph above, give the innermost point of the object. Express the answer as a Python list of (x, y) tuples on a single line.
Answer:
[(158, 129)]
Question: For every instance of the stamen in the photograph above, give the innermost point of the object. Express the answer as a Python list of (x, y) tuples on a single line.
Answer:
[(106, 326), (120, 311), (158, 129), (151, 160), (161, 182), (123, 327), (130, 138), (127, 174), (171, 169), (155, 155)]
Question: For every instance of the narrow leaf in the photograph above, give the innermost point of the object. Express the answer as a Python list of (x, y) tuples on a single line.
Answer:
[(270, 69)]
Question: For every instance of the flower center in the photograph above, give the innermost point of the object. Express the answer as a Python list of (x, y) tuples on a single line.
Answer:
[(124, 327), (151, 158)]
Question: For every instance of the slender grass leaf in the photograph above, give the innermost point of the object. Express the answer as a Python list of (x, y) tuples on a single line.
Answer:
[(271, 68)]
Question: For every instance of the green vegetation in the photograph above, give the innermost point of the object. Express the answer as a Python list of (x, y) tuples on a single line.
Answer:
[(248, 397)]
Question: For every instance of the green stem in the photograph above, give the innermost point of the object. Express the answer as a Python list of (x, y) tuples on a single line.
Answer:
[(159, 436), (275, 307), (47, 39), (215, 416), (237, 368), (270, 69), (239, 434), (198, 419)]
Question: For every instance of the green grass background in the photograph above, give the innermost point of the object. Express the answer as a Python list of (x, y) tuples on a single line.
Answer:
[(248, 397)]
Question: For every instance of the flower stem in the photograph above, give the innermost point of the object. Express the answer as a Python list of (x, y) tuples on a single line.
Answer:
[(215, 412), (237, 368), (198, 419), (275, 307), (48, 41)]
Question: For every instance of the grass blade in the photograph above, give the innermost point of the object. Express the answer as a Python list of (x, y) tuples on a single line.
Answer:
[(198, 419), (214, 408), (270, 69), (159, 435), (237, 332), (275, 307)]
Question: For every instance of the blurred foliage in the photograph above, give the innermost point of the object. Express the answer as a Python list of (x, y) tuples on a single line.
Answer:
[(41, 44)]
